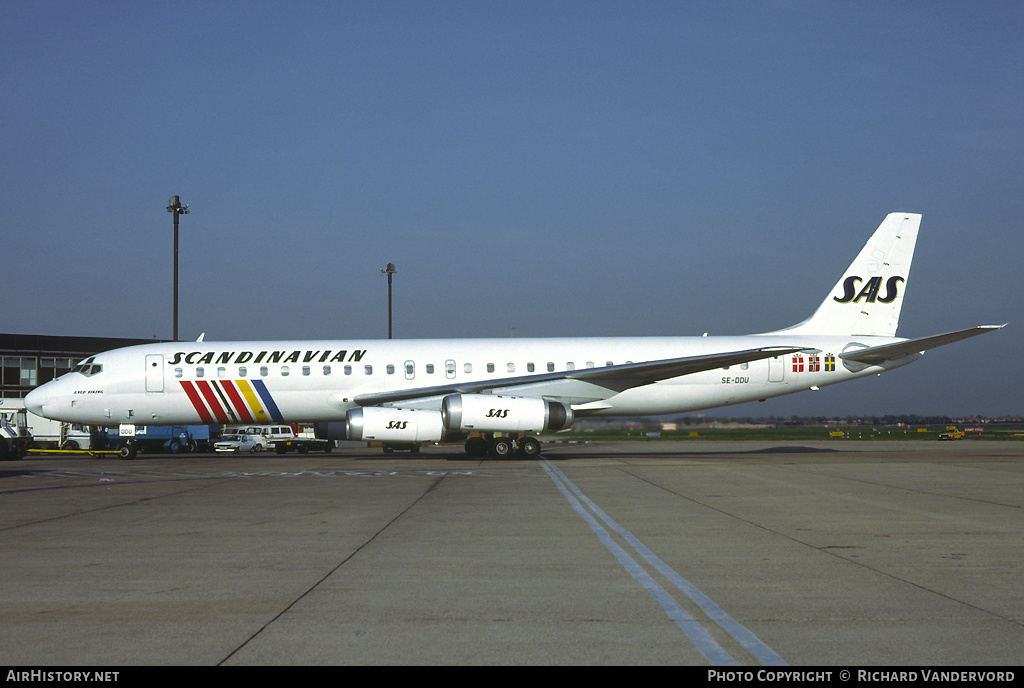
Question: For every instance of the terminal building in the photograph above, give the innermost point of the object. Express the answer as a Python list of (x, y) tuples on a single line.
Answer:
[(29, 360)]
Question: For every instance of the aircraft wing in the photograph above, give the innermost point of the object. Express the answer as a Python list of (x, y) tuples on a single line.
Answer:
[(888, 352), (587, 384)]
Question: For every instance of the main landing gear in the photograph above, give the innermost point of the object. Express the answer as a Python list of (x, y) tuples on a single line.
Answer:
[(503, 447)]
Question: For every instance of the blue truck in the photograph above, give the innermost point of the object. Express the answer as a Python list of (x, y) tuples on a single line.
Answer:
[(171, 438)]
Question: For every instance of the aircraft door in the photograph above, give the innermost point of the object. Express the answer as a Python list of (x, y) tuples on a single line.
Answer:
[(154, 373), (776, 369)]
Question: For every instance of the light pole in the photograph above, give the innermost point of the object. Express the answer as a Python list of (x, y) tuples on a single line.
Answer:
[(175, 208), (389, 271)]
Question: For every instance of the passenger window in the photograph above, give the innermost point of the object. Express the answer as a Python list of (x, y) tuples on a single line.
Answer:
[(222, 372), (348, 370), (391, 369), (178, 372), (368, 370), (551, 367), (511, 367), (264, 371), (529, 367), (570, 366), (200, 372), (285, 371), (242, 371), (430, 368), (490, 367), (468, 367), (327, 370), (305, 371)]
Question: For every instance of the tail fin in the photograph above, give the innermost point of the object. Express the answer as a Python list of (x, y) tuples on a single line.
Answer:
[(868, 298)]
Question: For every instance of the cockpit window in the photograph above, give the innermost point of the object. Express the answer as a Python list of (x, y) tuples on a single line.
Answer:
[(88, 367)]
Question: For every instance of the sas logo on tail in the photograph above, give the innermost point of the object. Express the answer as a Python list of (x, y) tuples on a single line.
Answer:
[(870, 289)]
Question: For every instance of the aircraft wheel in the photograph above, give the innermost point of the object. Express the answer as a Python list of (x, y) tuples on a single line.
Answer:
[(476, 447), (500, 448), (529, 447), (128, 451)]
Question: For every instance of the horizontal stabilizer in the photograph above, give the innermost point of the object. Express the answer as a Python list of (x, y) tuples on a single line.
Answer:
[(888, 352)]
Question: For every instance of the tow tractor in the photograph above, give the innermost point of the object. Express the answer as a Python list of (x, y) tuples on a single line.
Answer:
[(14, 434)]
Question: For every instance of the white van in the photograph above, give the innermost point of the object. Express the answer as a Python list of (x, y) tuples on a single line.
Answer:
[(253, 438)]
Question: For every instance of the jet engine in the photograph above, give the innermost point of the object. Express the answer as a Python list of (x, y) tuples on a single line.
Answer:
[(330, 431), (490, 413), (394, 425)]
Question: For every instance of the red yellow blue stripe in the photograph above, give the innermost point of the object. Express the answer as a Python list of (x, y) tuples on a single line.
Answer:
[(232, 401)]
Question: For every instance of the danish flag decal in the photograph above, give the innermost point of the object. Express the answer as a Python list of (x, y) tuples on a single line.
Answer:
[(232, 401)]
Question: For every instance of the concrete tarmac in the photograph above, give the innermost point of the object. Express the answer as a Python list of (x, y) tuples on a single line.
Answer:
[(690, 553)]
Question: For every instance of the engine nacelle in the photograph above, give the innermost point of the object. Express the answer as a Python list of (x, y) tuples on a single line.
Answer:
[(490, 413), (394, 425), (332, 430)]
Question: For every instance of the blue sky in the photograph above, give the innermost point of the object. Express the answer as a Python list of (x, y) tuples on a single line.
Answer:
[(560, 168)]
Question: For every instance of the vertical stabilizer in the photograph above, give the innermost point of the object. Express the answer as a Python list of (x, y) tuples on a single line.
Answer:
[(868, 298)]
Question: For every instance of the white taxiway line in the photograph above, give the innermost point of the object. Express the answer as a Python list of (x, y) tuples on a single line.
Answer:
[(697, 634)]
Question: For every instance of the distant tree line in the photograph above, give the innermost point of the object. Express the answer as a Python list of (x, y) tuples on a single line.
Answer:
[(690, 420)]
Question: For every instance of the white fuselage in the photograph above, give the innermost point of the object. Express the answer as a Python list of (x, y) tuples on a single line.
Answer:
[(423, 390), (314, 381)]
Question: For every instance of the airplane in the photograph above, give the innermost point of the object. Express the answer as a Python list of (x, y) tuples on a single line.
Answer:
[(499, 394)]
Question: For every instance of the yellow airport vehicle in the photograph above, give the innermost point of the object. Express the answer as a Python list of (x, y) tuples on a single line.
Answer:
[(952, 434)]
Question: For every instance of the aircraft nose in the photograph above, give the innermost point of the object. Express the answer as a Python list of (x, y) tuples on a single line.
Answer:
[(35, 401)]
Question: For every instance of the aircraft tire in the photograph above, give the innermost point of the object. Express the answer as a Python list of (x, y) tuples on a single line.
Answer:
[(529, 447), (500, 448), (128, 451), (476, 447)]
